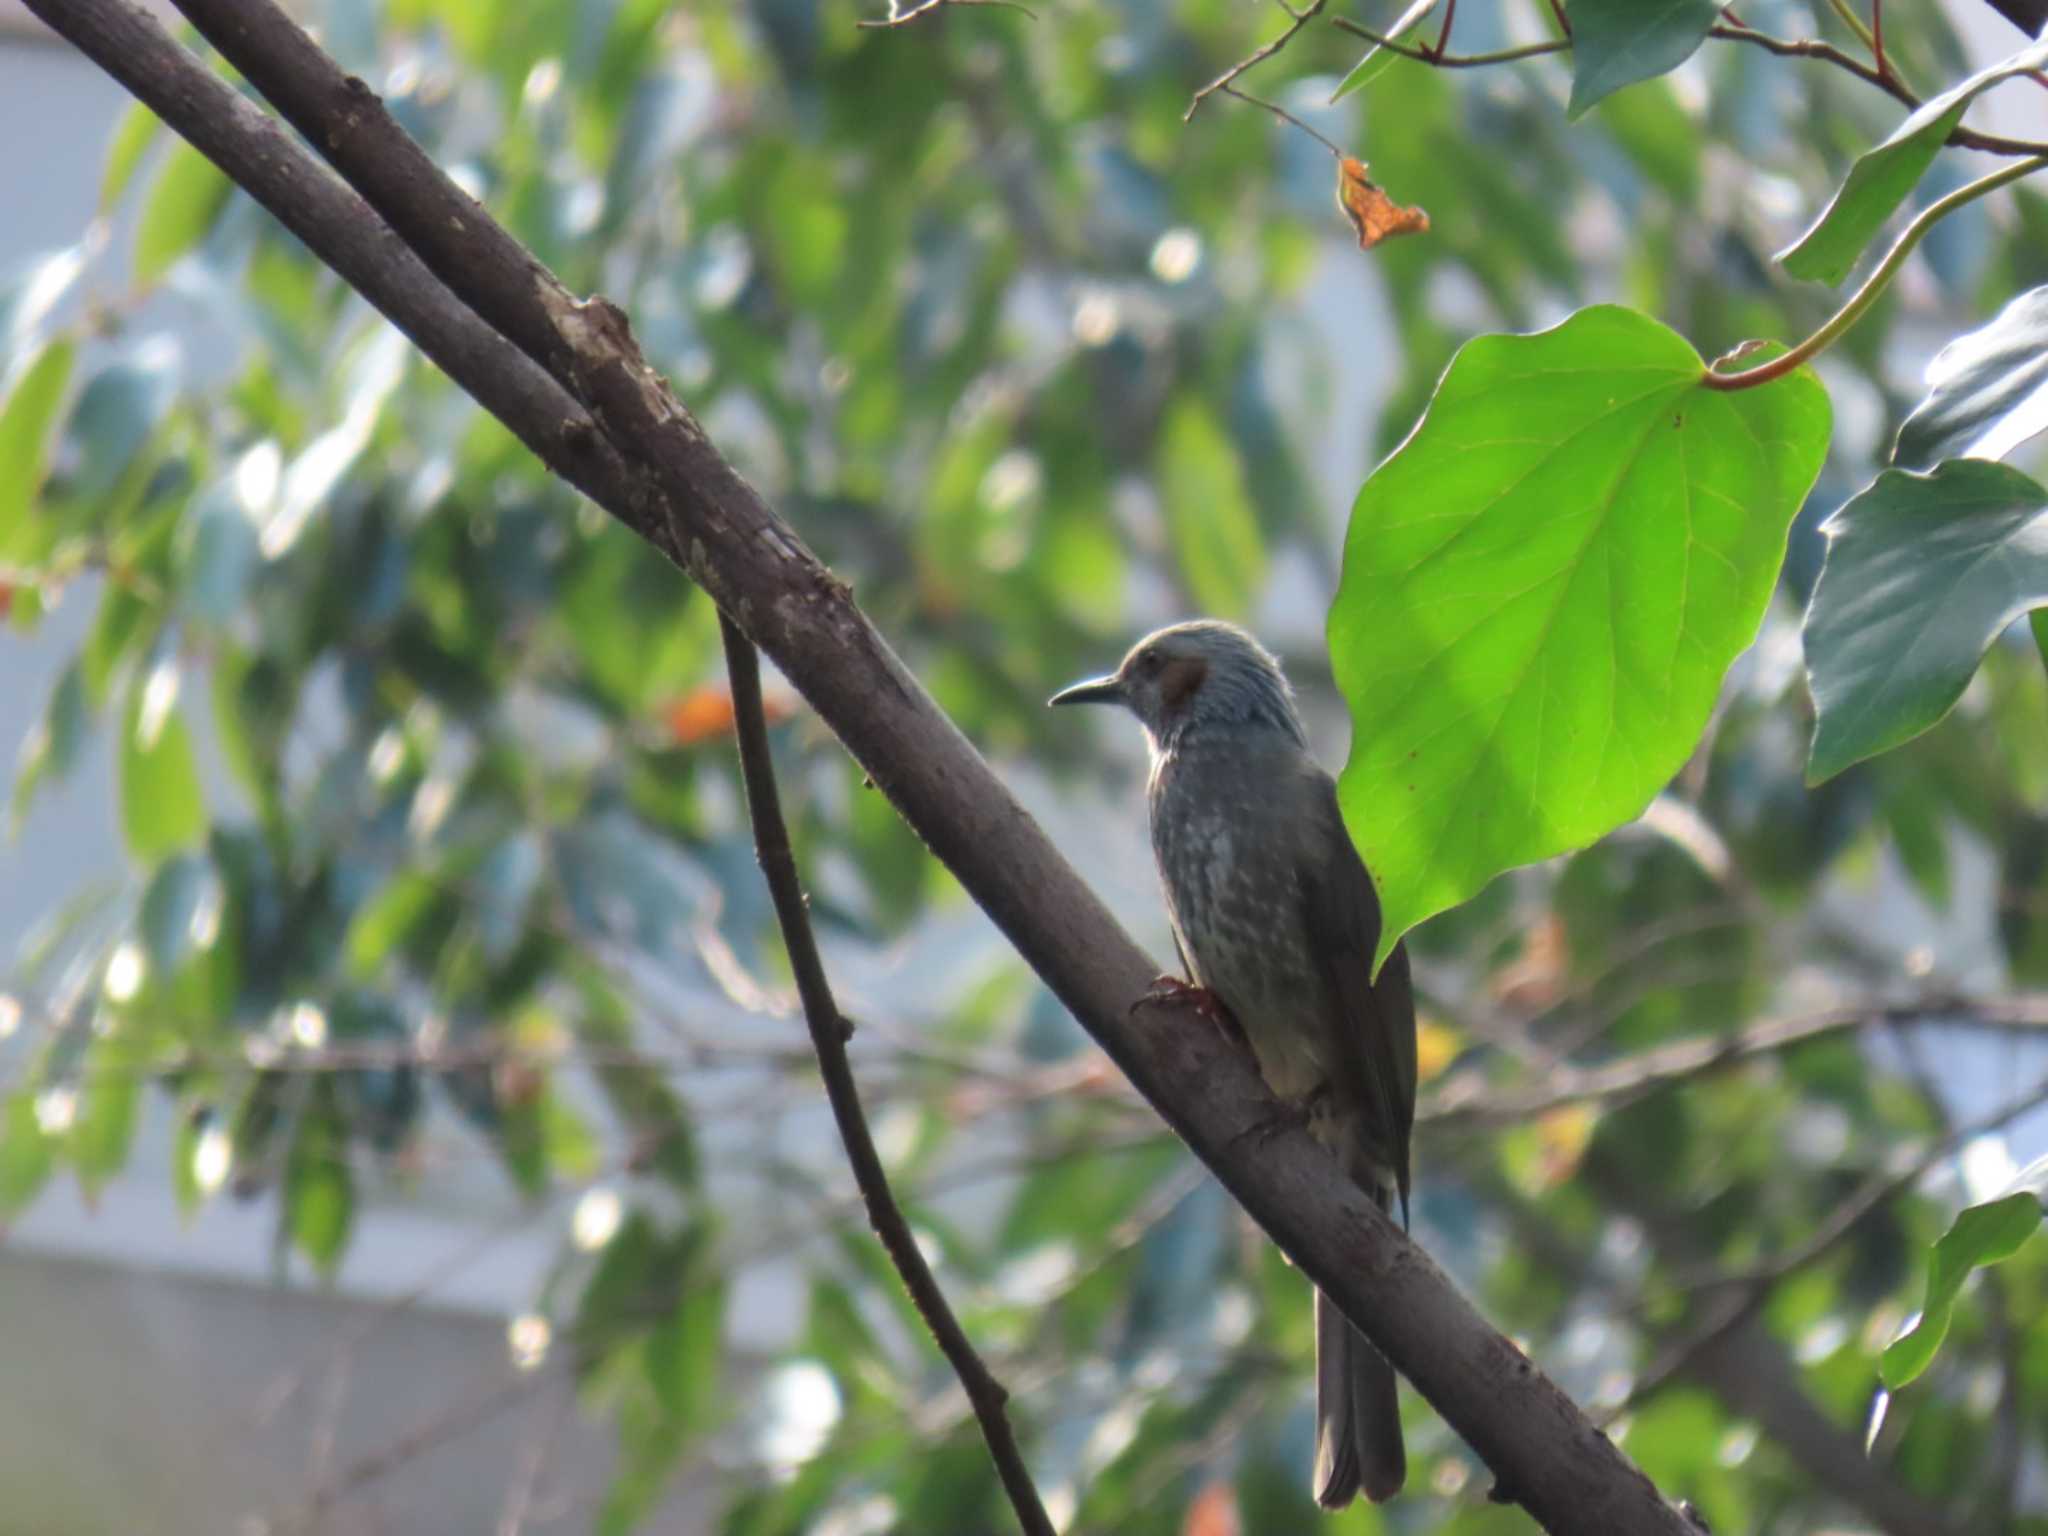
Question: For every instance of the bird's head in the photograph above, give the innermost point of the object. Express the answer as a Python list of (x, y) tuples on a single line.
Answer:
[(1194, 676)]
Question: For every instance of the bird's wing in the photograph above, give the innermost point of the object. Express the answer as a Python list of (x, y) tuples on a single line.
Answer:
[(1375, 1037)]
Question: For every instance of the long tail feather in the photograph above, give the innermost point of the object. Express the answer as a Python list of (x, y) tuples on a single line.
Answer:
[(1358, 1417)]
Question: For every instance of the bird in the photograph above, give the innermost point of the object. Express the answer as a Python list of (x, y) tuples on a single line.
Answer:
[(1276, 920)]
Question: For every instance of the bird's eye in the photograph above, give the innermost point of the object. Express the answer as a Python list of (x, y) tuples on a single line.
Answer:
[(1150, 662)]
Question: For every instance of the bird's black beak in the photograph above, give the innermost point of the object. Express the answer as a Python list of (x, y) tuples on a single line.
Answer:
[(1097, 690)]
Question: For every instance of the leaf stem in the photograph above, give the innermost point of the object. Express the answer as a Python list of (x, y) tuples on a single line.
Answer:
[(1284, 115), (1855, 24), (1448, 60), (1875, 284)]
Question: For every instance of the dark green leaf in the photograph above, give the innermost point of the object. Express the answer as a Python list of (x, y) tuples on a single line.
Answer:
[(173, 900), (162, 809), (1987, 392), (685, 1356), (1922, 573), (1882, 178), (1542, 589), (117, 411), (1983, 1234), (1618, 42)]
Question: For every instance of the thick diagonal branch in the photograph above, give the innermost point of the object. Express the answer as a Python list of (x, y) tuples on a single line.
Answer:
[(829, 1034), (661, 475)]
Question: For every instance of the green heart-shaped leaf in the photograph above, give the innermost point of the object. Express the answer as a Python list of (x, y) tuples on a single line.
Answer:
[(1542, 589)]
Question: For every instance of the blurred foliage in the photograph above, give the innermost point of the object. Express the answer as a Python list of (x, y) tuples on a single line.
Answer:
[(425, 776)]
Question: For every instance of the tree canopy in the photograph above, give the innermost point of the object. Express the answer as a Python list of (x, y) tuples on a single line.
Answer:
[(1693, 743)]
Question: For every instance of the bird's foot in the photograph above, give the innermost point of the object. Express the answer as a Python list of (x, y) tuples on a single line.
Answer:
[(1172, 992), (1278, 1116)]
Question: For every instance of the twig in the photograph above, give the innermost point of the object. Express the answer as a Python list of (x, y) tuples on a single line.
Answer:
[(897, 18), (1443, 38), (1875, 284), (533, 1461), (1751, 1285), (1223, 82), (1284, 115), (1727, 31), (829, 1034), (1465, 1099), (1450, 60)]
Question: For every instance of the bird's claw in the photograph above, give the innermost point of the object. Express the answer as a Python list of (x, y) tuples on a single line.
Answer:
[(1172, 992), (1278, 1116)]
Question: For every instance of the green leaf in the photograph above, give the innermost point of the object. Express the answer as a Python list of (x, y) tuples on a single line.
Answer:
[(109, 1101), (1922, 573), (1208, 510), (685, 1356), (1882, 178), (1987, 392), (133, 135), (1377, 57), (162, 809), (1542, 589), (184, 200), (185, 1185), (27, 423), (319, 1191), (51, 746), (1982, 1235), (1618, 42), (27, 1154)]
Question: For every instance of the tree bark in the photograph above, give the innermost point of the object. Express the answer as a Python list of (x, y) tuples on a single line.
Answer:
[(636, 450), (2027, 15)]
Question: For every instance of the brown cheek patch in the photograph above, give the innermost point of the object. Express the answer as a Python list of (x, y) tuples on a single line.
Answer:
[(1177, 684)]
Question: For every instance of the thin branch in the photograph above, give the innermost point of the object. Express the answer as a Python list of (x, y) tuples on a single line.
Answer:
[(1224, 81), (1726, 31), (897, 18), (1465, 1099), (829, 1034), (1450, 60), (1284, 115), (1875, 284), (1443, 38), (1748, 1288)]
